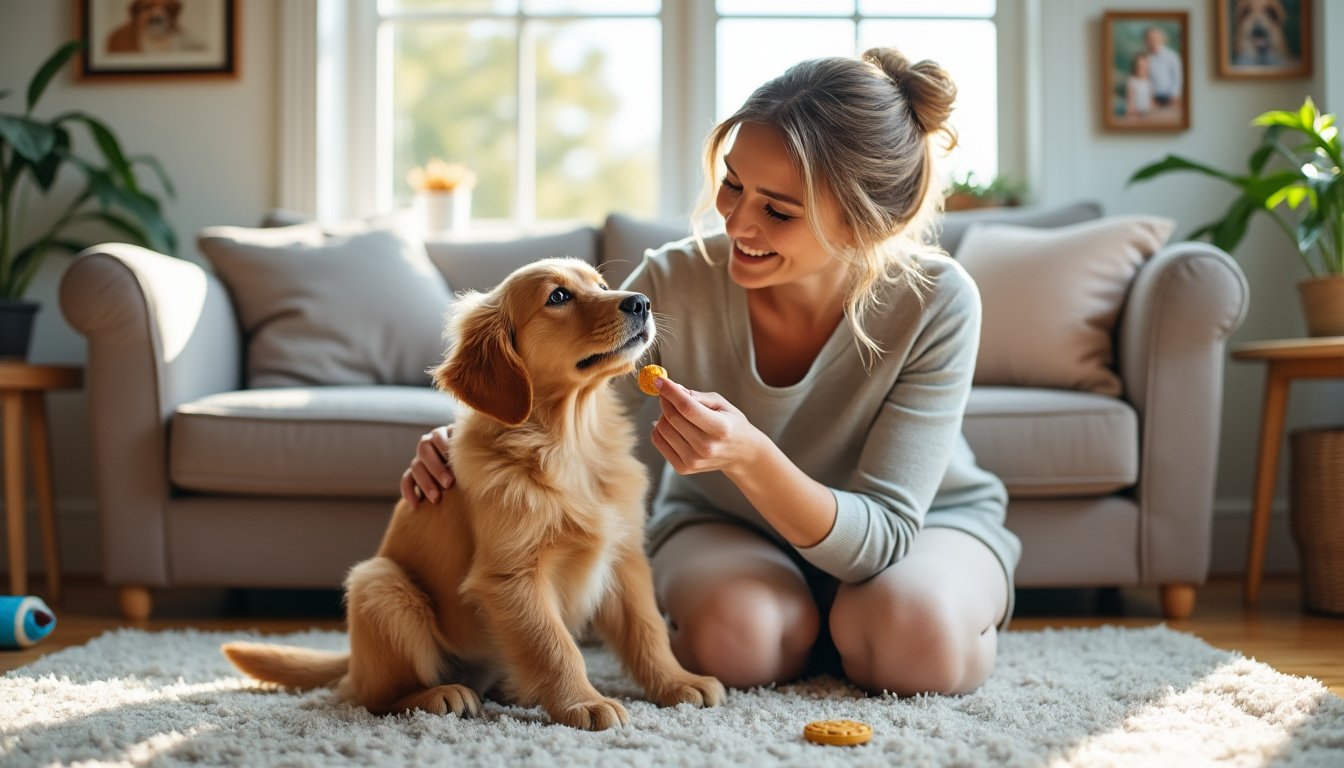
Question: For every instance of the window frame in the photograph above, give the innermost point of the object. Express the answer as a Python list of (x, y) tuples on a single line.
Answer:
[(350, 81)]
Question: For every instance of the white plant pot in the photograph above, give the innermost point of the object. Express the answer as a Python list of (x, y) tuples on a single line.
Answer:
[(444, 213)]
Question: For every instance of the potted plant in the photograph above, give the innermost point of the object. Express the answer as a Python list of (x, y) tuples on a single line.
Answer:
[(1294, 176), (968, 193), (33, 152)]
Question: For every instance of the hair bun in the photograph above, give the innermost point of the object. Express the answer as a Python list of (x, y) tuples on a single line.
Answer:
[(927, 88)]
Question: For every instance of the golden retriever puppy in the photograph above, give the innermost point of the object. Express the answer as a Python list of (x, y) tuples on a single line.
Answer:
[(541, 534), (1258, 37)]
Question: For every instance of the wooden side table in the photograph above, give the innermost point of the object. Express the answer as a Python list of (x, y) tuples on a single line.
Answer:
[(1288, 359), (22, 399)]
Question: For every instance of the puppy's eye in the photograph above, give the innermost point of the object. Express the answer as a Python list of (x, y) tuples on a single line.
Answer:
[(603, 286), (559, 296)]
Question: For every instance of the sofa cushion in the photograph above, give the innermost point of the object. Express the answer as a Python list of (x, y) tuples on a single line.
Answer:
[(1049, 442), (626, 238), (302, 441), (955, 223), (1051, 298), (317, 308), (479, 265)]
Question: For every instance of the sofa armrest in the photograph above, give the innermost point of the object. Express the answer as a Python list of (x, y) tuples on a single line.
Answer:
[(161, 331), (1184, 304)]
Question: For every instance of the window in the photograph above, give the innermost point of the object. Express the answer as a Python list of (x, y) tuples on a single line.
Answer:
[(570, 109)]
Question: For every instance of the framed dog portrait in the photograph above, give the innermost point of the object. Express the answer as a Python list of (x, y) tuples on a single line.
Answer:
[(139, 39), (1145, 71), (1263, 38)]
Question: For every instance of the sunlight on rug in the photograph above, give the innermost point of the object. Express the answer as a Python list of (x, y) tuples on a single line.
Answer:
[(1106, 696)]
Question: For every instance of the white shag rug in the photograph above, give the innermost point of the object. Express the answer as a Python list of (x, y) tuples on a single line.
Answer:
[(1086, 697)]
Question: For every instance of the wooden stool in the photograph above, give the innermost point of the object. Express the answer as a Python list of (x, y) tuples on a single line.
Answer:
[(22, 390)]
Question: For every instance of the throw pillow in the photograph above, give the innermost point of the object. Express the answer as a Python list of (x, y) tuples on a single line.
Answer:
[(317, 308), (1051, 298)]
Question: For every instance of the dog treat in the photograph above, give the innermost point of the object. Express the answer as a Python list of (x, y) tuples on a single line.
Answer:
[(840, 733), (646, 376)]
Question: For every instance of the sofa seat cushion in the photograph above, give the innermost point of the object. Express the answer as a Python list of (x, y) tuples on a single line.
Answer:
[(302, 441), (1052, 442)]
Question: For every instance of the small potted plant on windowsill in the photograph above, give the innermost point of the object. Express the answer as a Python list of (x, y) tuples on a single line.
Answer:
[(33, 151), (442, 196), (1294, 176), (966, 193)]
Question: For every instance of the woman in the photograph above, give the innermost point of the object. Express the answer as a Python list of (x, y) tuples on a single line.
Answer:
[(821, 511)]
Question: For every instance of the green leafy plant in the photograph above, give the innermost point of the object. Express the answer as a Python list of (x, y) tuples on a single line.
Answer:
[(1294, 176), (32, 154), (967, 191)]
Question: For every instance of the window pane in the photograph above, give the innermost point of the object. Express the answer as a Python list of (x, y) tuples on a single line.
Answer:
[(967, 50), (981, 8), (454, 97), (598, 7), (599, 112), (786, 7), (448, 6), (744, 64)]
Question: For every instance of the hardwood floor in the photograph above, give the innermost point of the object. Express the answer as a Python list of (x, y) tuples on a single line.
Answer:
[(1277, 633)]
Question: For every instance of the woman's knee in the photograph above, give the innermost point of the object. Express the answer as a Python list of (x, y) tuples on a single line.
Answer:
[(907, 641), (747, 633)]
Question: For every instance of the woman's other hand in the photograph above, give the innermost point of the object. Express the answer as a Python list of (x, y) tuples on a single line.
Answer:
[(429, 475)]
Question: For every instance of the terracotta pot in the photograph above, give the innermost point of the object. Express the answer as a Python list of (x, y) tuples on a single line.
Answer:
[(1323, 305)]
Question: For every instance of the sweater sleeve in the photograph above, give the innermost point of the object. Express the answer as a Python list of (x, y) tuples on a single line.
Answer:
[(907, 450)]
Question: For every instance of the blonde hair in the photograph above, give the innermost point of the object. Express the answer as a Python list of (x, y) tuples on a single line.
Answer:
[(862, 130)]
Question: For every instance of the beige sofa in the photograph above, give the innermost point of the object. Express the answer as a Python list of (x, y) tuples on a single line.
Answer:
[(202, 482)]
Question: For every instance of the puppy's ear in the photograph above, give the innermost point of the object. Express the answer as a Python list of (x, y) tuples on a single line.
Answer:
[(483, 369)]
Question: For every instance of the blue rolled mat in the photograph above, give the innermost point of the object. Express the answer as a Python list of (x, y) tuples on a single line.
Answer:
[(24, 621)]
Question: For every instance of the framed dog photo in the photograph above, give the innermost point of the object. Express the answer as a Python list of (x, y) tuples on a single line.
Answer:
[(1145, 70), (1263, 38), (145, 39)]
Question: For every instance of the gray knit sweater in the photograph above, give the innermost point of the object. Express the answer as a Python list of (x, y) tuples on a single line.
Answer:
[(886, 441)]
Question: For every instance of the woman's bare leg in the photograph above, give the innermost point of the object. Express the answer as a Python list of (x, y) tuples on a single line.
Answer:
[(926, 624), (740, 609)]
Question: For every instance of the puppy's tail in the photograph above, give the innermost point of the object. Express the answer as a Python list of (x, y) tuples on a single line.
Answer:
[(297, 668)]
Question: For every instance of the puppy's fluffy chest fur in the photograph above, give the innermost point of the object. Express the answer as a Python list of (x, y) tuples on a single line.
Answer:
[(558, 496)]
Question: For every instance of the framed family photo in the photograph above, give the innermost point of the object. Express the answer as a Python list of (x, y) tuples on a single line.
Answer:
[(1145, 70), (1263, 38), (145, 39)]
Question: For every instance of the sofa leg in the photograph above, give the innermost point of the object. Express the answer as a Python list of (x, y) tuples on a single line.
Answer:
[(136, 602), (1178, 600)]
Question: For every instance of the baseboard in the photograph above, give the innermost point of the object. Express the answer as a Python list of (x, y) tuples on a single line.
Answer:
[(78, 534), (1231, 539)]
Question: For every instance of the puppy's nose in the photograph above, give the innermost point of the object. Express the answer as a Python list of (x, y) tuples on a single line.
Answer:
[(637, 305)]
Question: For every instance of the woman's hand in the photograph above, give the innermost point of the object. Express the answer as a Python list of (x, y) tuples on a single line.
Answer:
[(703, 432), (428, 476)]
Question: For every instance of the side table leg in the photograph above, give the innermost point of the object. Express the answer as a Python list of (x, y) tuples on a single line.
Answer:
[(14, 495), (36, 405), (1267, 466)]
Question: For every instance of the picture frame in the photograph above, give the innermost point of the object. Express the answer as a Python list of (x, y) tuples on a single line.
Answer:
[(157, 39), (1145, 70), (1263, 39)]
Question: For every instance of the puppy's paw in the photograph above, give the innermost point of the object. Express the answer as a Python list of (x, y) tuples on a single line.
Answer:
[(596, 715), (686, 688), (442, 699)]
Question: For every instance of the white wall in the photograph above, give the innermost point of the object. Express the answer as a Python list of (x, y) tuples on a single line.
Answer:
[(1082, 160), (217, 141)]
